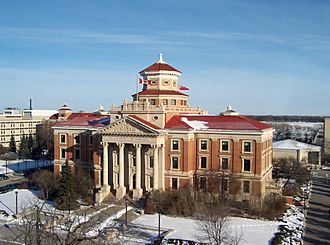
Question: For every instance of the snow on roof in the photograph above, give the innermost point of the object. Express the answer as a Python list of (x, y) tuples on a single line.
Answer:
[(289, 144), (198, 122), (197, 125)]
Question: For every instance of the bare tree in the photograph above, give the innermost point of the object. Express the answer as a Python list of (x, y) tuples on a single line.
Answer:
[(213, 220)]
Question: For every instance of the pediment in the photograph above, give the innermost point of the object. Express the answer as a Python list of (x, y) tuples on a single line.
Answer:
[(127, 126)]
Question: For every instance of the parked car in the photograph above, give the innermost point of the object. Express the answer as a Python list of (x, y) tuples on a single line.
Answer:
[(18, 174), (3, 177)]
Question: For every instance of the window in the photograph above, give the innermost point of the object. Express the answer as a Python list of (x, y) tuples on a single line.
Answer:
[(153, 102), (175, 162), (247, 165), (63, 154), (224, 163), (77, 154), (224, 145), (203, 162), (134, 181), (63, 138), (174, 183), (151, 162), (202, 183), (175, 145), (151, 182), (90, 139), (247, 146), (203, 145), (77, 139), (173, 102), (165, 101), (246, 186)]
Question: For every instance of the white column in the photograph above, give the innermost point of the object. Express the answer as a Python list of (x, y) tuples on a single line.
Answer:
[(105, 165), (162, 168), (137, 192), (156, 166), (121, 191)]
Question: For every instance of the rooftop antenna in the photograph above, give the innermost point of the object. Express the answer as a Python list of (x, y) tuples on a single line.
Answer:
[(30, 104)]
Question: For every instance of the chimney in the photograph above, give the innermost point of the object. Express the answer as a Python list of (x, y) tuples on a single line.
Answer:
[(30, 104)]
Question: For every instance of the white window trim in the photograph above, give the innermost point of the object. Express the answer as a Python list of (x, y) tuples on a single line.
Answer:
[(177, 181), (229, 162), (200, 144), (178, 162), (200, 162), (247, 141), (249, 187), (228, 141), (65, 137), (245, 158), (149, 182), (178, 140), (75, 140), (65, 154)]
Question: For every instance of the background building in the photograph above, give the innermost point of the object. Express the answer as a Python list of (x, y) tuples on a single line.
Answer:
[(16, 122), (302, 152)]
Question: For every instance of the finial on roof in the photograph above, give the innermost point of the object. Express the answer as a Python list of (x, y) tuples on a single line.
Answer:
[(161, 59), (230, 111)]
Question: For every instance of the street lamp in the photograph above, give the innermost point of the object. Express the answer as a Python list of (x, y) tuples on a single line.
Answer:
[(16, 192)]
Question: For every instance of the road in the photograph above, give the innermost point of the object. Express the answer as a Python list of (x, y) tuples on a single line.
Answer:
[(317, 229)]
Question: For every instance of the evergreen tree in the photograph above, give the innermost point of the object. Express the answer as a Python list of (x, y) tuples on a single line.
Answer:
[(12, 144), (23, 148), (67, 194), (30, 145)]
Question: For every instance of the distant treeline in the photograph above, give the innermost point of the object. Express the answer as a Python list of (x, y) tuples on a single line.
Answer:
[(286, 118)]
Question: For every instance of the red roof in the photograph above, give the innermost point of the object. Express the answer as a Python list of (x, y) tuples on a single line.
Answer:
[(144, 122), (160, 92), (215, 122), (160, 67), (83, 119)]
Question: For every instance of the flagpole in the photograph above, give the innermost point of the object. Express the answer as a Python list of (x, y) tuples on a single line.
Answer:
[(137, 88)]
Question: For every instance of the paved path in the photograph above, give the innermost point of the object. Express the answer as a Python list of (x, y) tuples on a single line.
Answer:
[(318, 220)]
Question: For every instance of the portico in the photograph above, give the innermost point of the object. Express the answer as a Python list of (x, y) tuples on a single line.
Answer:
[(133, 158)]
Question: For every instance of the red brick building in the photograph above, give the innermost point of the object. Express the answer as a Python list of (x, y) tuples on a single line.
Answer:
[(158, 141)]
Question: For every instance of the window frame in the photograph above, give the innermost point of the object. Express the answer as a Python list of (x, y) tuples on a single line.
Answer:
[(200, 144), (172, 144), (221, 145), (178, 162), (204, 182), (221, 160), (243, 165), (173, 101), (200, 162), (61, 153), (177, 183), (65, 139), (75, 137), (243, 146), (75, 154)]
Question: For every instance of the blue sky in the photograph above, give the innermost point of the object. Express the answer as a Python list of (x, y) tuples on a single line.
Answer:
[(262, 57)]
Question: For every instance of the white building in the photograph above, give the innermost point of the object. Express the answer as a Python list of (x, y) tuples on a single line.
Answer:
[(16, 122), (304, 153)]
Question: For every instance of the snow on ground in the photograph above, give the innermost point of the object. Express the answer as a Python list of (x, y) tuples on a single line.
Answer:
[(254, 231), (26, 198), (22, 165)]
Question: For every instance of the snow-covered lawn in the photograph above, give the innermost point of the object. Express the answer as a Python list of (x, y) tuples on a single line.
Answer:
[(253, 231), (22, 165), (25, 198)]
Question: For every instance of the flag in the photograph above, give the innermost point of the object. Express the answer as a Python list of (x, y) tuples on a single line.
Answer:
[(183, 88), (142, 81)]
